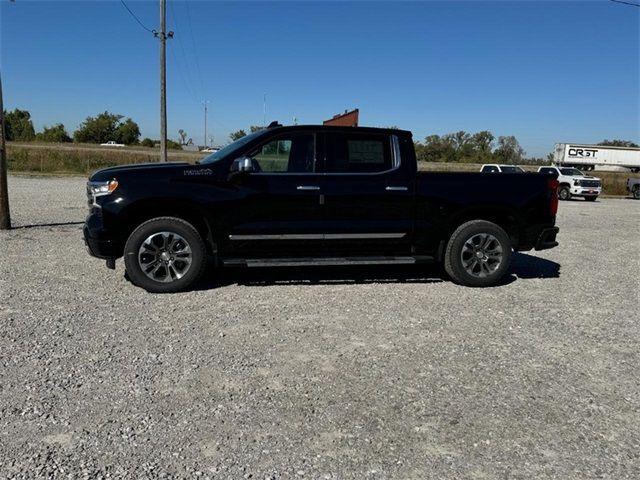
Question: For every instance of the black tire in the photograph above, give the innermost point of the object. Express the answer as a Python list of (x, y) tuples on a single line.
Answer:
[(458, 268), (564, 193), (591, 198), (636, 192), (184, 260)]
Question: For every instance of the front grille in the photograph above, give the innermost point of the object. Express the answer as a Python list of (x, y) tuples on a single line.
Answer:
[(589, 183)]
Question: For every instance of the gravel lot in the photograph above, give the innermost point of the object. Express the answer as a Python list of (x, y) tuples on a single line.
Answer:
[(325, 373)]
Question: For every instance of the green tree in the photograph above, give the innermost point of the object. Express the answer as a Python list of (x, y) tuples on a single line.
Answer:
[(483, 141), (183, 136), (508, 151), (18, 126), (98, 129), (254, 128), (171, 145), (127, 132), (437, 149), (618, 143), (237, 135), (482, 146), (56, 134), (147, 142)]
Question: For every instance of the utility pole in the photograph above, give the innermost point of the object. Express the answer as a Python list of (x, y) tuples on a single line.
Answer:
[(264, 110), (163, 35), (5, 217), (205, 103)]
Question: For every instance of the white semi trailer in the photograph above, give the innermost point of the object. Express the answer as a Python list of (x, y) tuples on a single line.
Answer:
[(587, 157)]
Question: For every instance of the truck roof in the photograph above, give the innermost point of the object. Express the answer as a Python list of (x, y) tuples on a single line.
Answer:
[(330, 128)]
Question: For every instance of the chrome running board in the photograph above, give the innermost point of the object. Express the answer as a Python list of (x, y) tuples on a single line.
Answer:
[(322, 261)]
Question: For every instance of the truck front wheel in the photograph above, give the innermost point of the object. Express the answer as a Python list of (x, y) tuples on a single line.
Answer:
[(564, 193), (478, 254), (165, 254), (636, 192)]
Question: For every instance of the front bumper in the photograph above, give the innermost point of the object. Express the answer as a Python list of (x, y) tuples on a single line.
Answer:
[(98, 243), (585, 191)]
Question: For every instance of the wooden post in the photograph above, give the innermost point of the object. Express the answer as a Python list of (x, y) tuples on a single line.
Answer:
[(5, 216), (163, 81)]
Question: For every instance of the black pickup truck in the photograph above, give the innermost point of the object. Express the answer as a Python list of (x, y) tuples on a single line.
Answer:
[(314, 195)]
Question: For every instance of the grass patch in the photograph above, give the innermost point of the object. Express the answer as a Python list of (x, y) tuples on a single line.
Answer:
[(81, 160)]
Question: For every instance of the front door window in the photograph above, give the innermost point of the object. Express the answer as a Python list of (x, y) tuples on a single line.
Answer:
[(287, 154)]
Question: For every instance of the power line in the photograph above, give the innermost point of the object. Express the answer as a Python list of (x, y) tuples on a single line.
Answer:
[(136, 18), (185, 81), (185, 59), (626, 3), (195, 50)]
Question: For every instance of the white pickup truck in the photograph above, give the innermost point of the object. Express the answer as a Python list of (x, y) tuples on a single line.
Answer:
[(496, 168), (112, 143), (574, 183)]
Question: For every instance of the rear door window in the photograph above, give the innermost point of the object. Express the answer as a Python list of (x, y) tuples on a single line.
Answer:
[(357, 153)]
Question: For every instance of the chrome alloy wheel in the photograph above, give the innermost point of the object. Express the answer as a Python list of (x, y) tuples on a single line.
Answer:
[(165, 257), (481, 255)]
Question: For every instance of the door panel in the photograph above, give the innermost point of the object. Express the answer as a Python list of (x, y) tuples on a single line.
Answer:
[(279, 211), (368, 201)]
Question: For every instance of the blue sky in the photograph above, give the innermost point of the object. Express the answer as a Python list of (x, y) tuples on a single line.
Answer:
[(542, 71)]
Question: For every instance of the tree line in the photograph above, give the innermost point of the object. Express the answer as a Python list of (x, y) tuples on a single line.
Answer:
[(484, 147), (461, 146), (99, 129)]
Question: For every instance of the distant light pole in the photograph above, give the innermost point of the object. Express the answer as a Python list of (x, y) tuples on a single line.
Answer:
[(205, 103), (264, 110)]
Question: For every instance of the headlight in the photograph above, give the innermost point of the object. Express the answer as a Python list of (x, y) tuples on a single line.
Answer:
[(98, 189)]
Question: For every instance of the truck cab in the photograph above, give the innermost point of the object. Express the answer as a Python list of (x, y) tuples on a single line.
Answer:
[(574, 183)]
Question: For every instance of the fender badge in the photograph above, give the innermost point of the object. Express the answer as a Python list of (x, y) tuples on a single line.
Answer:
[(206, 171)]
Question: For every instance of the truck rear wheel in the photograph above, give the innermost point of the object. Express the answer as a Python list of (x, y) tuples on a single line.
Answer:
[(478, 254), (636, 192), (564, 193), (165, 254)]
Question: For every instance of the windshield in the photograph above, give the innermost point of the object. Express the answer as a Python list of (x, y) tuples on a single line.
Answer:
[(572, 172), (511, 169), (225, 151)]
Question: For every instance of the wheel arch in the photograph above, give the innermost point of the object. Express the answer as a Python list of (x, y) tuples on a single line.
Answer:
[(507, 219), (143, 210)]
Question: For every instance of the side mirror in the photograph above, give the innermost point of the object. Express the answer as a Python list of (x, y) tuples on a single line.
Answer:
[(242, 164)]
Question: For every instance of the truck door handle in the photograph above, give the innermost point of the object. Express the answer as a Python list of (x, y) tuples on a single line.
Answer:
[(396, 189), (307, 187)]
